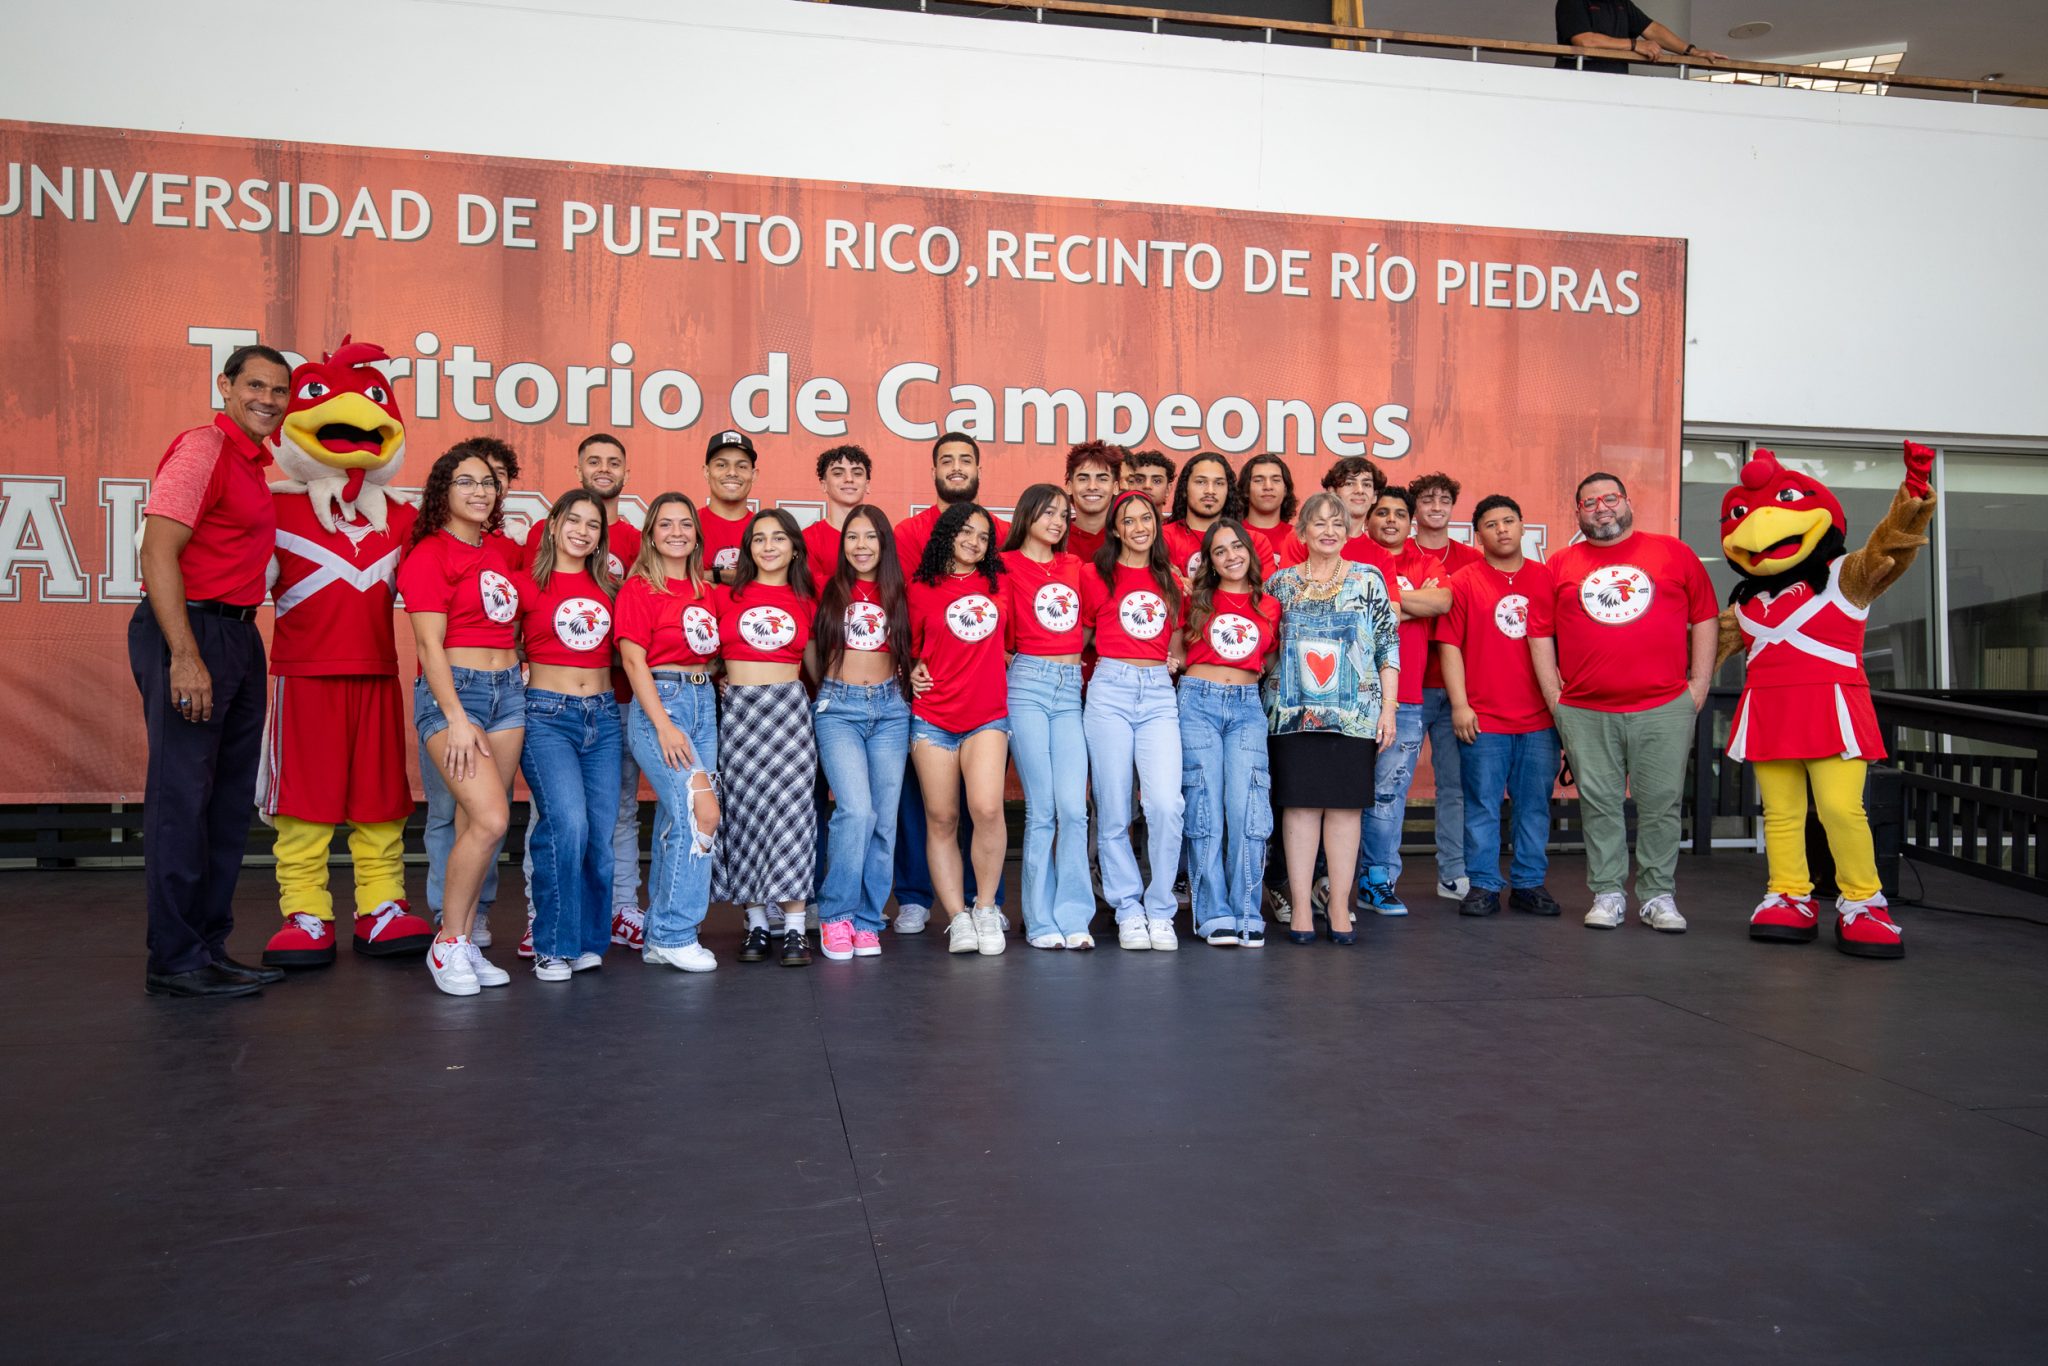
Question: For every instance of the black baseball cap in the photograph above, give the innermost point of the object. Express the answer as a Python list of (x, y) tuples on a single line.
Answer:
[(728, 439)]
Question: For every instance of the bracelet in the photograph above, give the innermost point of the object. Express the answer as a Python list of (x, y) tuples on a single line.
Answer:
[(1691, 48)]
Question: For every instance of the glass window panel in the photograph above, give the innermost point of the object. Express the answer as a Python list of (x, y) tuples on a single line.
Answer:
[(1997, 509)]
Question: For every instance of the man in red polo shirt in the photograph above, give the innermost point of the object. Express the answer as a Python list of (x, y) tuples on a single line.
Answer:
[(1624, 665), (198, 662)]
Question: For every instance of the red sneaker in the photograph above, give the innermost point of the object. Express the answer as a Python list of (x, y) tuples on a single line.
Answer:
[(526, 941), (1865, 929), (306, 941), (629, 927), (1783, 919), (392, 931)]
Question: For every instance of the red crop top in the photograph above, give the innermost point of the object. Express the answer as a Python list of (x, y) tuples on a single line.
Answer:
[(568, 623), (677, 628), (1235, 636), (468, 584), (764, 624), (1130, 621), (1042, 604)]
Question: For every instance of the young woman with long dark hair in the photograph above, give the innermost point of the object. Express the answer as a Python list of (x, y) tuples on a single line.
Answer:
[(1230, 631), (573, 745), (766, 845), (469, 704), (861, 646), (1042, 623), (1129, 605), (959, 728), (668, 641)]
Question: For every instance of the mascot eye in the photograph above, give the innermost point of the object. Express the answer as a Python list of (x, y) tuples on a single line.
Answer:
[(313, 388), (375, 393), (1791, 495), (1736, 513)]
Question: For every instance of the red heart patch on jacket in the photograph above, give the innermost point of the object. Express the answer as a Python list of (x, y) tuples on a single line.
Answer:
[(1321, 666)]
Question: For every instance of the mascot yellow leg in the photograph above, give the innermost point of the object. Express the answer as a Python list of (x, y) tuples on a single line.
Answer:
[(1782, 785), (307, 937), (378, 851), (1838, 796), (1788, 914)]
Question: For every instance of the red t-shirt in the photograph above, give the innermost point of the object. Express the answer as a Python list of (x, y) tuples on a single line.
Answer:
[(721, 539), (1184, 549), (914, 533), (468, 584), (1235, 636), (1283, 547), (1492, 617), (1130, 621), (1084, 544), (1443, 564), (211, 479), (569, 622), (511, 552), (622, 539), (1042, 603), (1622, 617), (956, 628), (766, 624), (821, 549), (1413, 570), (866, 624), (677, 629)]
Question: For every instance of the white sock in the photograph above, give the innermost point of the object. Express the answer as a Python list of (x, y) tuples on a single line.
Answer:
[(792, 922), (757, 917)]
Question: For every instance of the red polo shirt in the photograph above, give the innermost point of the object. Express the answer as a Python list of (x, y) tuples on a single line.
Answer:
[(211, 479)]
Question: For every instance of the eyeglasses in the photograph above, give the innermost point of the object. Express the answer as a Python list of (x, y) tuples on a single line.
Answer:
[(1609, 501), (467, 482)]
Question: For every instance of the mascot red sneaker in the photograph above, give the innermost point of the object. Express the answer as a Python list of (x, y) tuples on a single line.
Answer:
[(334, 748), (1804, 719)]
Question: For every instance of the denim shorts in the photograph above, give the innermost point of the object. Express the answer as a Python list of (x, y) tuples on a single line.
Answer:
[(921, 729), (493, 700)]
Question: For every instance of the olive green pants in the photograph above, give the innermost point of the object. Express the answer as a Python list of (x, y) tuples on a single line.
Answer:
[(1619, 754)]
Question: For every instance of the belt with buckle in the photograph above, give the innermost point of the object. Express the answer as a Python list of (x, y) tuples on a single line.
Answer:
[(682, 676), (210, 608)]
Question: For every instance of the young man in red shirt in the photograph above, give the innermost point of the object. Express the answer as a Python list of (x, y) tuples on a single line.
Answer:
[(1149, 473), (1436, 496), (1265, 486), (843, 473), (1207, 490), (722, 518), (1091, 484), (210, 528), (956, 478), (1625, 670), (1423, 597), (1507, 743)]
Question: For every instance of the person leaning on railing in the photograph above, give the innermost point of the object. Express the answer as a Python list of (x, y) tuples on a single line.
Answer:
[(1619, 26)]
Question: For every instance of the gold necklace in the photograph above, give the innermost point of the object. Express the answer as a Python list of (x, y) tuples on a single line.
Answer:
[(1315, 588)]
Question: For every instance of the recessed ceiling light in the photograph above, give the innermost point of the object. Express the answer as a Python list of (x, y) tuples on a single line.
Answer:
[(1756, 30)]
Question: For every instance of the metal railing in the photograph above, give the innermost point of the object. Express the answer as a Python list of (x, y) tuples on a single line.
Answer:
[(1375, 40), (1981, 814)]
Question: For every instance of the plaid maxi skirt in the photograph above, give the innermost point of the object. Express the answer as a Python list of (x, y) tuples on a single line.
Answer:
[(767, 829)]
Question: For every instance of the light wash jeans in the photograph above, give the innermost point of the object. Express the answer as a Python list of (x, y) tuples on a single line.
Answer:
[(1444, 759), (1132, 721), (863, 739), (1050, 746), (626, 827), (571, 762), (440, 838), (1379, 838), (679, 880), (1524, 768), (1229, 795)]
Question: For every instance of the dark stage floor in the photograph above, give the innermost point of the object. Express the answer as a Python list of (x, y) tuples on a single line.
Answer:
[(1460, 1142)]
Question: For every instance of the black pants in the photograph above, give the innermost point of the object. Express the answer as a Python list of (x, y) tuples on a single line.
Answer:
[(201, 792)]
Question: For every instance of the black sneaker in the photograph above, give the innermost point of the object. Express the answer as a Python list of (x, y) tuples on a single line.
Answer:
[(796, 950), (1253, 937), (1478, 902), (1533, 901), (755, 950)]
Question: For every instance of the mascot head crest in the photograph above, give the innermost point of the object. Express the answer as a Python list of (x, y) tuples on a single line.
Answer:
[(342, 420), (1779, 526)]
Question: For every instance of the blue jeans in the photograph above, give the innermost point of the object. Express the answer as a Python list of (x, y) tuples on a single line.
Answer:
[(1131, 719), (863, 739), (1444, 757), (1229, 796), (1379, 838), (1525, 768), (679, 880), (571, 762), (1050, 747)]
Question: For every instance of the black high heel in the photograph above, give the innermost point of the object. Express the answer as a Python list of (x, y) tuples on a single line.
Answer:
[(1344, 938)]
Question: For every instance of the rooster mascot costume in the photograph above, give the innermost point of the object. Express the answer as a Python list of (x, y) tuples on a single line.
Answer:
[(334, 750), (1804, 717)]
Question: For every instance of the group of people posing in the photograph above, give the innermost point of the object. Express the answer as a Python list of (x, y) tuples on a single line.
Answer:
[(826, 714)]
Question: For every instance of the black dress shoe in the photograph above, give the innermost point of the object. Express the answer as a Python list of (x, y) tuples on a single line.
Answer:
[(796, 952), (211, 980), (755, 949), (261, 976), (1479, 902), (1533, 901)]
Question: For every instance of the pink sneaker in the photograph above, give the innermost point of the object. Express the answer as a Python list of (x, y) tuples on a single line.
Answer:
[(836, 938), (867, 944)]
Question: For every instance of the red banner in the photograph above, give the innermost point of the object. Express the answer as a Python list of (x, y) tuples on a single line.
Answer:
[(543, 301)]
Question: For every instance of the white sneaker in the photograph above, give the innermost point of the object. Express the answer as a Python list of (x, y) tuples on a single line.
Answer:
[(960, 935), (448, 961), (1162, 935), (480, 933), (989, 926), (583, 962), (1051, 939), (488, 974), (629, 927), (1133, 934), (1454, 889), (1082, 940), (1661, 913), (548, 969), (911, 919), (688, 957), (1609, 910)]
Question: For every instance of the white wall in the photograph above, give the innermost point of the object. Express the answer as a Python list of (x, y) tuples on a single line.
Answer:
[(1856, 263)]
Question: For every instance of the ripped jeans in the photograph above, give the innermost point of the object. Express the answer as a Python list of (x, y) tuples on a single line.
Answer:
[(679, 880)]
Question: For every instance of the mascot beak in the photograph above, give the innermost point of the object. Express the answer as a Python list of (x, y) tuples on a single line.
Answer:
[(345, 432), (1771, 540)]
